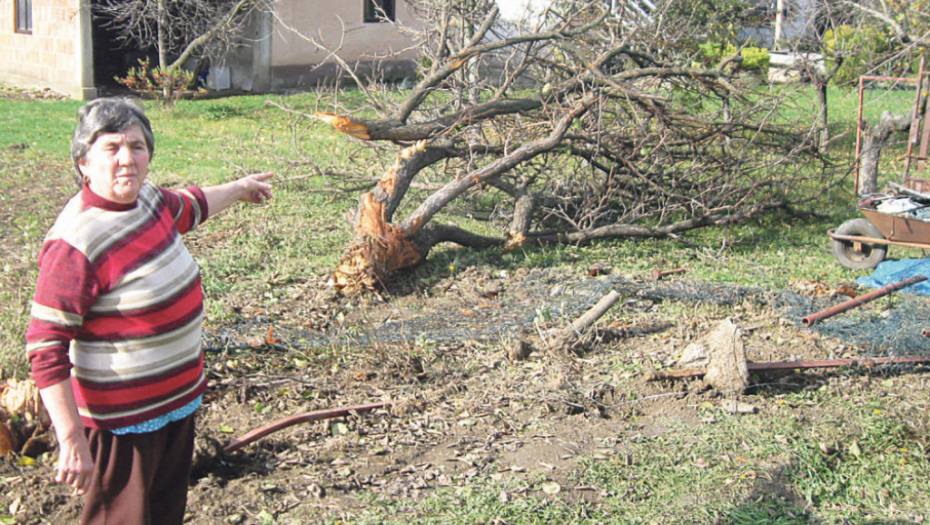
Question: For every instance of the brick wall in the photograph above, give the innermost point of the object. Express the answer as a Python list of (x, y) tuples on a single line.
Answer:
[(53, 56)]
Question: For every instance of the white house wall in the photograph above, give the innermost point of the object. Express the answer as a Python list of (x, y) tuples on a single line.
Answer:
[(382, 48), (798, 24)]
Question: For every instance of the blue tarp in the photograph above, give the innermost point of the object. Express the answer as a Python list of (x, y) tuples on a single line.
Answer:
[(889, 272)]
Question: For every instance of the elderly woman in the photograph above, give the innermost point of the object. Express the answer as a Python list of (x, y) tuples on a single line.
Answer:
[(114, 338)]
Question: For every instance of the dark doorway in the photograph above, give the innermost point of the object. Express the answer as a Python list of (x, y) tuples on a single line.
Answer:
[(112, 57)]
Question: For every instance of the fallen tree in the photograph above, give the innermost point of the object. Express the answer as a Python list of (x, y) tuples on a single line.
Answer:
[(588, 124)]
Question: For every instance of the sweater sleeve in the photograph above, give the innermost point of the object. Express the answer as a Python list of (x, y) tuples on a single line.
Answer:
[(66, 288), (188, 207)]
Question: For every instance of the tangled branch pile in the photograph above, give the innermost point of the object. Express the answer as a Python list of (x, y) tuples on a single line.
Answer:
[(583, 124)]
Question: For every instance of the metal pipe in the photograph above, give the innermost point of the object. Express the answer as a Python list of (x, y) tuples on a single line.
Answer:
[(859, 138), (658, 274), (683, 373), (834, 363), (914, 135), (262, 431), (862, 299)]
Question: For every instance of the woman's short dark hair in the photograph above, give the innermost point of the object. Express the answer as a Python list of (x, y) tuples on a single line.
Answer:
[(107, 115)]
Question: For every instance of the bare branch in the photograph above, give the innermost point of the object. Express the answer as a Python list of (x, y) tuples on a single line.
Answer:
[(435, 202), (591, 125)]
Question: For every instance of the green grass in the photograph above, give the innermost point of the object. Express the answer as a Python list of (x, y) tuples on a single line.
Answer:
[(210, 141), (768, 468), (45, 126), (266, 253)]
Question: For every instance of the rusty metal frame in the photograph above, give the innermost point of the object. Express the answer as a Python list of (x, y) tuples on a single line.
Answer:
[(914, 138)]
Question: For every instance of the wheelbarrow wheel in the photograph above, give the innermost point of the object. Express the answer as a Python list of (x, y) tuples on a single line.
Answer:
[(859, 255)]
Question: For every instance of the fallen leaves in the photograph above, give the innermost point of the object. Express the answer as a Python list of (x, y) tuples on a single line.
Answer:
[(270, 338), (8, 442), (21, 398), (551, 488), (818, 289), (737, 407)]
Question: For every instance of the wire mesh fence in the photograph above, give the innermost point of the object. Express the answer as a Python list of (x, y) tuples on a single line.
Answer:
[(890, 327)]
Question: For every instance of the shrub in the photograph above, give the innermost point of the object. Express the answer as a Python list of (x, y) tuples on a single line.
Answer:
[(754, 58), (165, 85)]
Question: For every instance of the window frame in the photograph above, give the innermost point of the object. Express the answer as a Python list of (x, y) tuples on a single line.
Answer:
[(372, 11), (22, 16)]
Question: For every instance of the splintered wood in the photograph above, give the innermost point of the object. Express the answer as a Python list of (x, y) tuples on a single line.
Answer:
[(379, 247), (344, 124)]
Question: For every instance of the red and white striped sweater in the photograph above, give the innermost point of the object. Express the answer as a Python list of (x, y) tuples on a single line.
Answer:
[(118, 306)]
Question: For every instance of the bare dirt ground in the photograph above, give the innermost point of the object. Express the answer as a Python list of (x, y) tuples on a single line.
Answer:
[(464, 403)]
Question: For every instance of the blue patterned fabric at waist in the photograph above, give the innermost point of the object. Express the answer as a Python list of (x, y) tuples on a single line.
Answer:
[(154, 424)]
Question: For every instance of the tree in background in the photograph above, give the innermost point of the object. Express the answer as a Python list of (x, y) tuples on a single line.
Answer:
[(582, 123), (908, 21), (884, 38), (178, 30)]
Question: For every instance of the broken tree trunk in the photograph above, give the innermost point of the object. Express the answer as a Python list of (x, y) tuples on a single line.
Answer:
[(380, 247), (873, 140)]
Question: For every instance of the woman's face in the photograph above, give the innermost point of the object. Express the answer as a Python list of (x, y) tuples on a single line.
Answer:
[(116, 165)]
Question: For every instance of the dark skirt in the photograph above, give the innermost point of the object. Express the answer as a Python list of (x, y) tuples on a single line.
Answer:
[(140, 479)]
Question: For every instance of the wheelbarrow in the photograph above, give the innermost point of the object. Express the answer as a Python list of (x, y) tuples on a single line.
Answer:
[(861, 244)]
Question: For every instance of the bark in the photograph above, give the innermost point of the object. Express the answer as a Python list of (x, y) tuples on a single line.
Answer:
[(821, 81), (380, 247), (226, 21), (163, 45), (823, 138), (397, 130)]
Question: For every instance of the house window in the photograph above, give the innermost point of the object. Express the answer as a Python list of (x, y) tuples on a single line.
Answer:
[(379, 10), (23, 16)]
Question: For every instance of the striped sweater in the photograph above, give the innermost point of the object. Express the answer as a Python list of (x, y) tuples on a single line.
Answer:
[(118, 306)]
